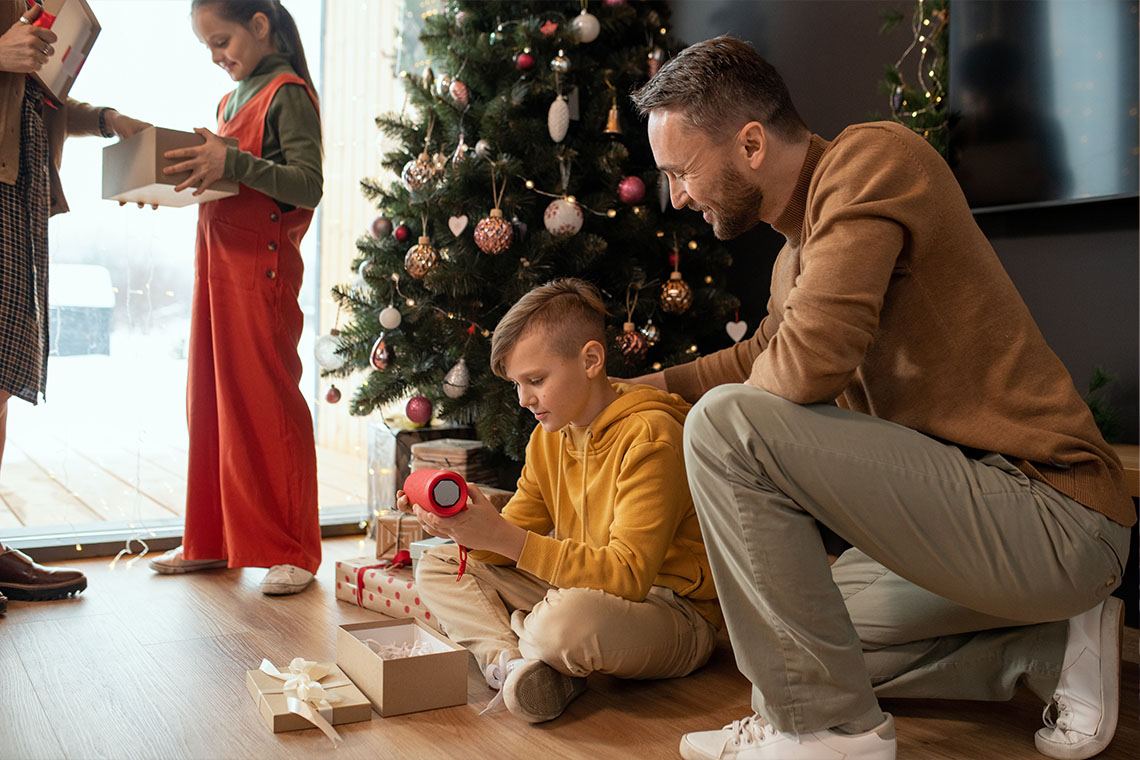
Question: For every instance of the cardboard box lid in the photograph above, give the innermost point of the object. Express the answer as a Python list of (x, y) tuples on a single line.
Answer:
[(76, 28)]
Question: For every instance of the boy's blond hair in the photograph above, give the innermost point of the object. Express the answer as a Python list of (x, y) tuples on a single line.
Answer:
[(570, 312)]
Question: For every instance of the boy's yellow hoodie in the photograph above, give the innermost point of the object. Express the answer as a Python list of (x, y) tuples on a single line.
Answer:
[(616, 498)]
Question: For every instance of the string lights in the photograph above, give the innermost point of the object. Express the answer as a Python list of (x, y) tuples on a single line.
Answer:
[(919, 104)]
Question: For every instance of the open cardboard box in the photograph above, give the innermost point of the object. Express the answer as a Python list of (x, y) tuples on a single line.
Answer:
[(132, 170), (406, 684)]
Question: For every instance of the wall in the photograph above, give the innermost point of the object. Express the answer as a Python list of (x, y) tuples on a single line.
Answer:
[(1076, 266)]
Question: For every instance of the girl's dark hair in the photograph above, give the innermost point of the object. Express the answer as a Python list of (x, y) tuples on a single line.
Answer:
[(282, 27)]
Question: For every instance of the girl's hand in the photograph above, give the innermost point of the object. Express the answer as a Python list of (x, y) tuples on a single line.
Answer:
[(480, 526), (124, 126), (206, 163), (25, 48)]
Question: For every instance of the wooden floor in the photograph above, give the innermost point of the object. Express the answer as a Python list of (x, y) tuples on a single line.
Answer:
[(148, 666)]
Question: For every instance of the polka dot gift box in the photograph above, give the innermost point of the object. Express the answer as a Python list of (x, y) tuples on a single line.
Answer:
[(374, 584)]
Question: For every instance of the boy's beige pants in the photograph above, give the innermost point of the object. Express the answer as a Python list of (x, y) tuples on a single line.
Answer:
[(964, 575), (577, 631)]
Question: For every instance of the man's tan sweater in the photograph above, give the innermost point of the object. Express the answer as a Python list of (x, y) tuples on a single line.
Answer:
[(888, 300)]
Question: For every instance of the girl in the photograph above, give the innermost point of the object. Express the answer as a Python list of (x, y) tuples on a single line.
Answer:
[(251, 494)]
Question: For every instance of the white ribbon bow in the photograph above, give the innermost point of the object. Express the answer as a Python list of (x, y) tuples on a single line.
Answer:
[(303, 692)]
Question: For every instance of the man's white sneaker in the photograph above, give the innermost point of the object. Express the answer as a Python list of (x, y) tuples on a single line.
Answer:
[(1081, 719), (285, 579), (754, 739), (173, 563), (536, 692)]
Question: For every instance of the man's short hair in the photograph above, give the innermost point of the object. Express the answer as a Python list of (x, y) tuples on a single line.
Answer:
[(569, 311), (718, 86)]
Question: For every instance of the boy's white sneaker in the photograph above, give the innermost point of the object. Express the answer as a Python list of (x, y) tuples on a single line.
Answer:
[(285, 579), (754, 739), (536, 692), (173, 563), (1081, 719)]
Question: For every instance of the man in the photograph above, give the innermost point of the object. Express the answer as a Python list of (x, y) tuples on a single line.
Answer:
[(899, 393)]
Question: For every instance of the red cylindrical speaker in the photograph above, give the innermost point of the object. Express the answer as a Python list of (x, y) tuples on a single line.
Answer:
[(440, 491)]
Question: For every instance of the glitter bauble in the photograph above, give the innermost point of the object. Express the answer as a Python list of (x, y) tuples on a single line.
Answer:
[(457, 379), (381, 226), (524, 61), (631, 190), (651, 332), (418, 410), (560, 63), (676, 295), (558, 119), (562, 217), (333, 395), (402, 233), (382, 355), (420, 173), (390, 317), (324, 351), (494, 234), (585, 27), (421, 259), (631, 343), (459, 93), (654, 60)]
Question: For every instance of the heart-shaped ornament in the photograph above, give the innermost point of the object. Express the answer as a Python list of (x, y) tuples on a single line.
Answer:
[(457, 224), (736, 330)]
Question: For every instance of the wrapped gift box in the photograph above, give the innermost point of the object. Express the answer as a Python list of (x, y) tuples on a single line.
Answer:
[(76, 28), (391, 592), (132, 170), (497, 496), (463, 457), (437, 678), (349, 705), (389, 457), (396, 532), (418, 548)]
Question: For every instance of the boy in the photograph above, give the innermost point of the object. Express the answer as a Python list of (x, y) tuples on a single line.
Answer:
[(597, 562)]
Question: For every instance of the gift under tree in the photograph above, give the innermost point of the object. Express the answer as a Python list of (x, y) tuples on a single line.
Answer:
[(522, 161)]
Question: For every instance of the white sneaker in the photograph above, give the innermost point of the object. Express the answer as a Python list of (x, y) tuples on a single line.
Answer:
[(285, 579), (173, 563), (1081, 719), (536, 692), (754, 739)]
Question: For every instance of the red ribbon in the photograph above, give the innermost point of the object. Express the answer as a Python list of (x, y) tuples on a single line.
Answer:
[(360, 582), (462, 561)]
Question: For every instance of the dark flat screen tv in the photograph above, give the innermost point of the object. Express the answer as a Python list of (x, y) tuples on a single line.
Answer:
[(1043, 100)]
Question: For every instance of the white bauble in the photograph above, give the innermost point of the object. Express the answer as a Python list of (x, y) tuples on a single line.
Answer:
[(562, 217), (457, 379), (324, 351), (585, 27), (558, 119), (390, 318)]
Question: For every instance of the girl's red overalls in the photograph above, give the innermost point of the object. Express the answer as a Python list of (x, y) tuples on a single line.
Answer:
[(251, 491)]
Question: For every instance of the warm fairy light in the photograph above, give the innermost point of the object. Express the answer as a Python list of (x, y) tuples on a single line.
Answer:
[(572, 200), (692, 245), (362, 524), (656, 366), (660, 233), (926, 22), (403, 75), (708, 279), (691, 350), (486, 333), (530, 184), (410, 302), (611, 213), (79, 547)]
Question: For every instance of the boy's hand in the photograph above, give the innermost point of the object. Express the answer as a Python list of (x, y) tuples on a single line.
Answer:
[(480, 526), (206, 163), (403, 503)]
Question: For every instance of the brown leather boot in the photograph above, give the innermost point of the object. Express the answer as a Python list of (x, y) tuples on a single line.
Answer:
[(23, 579), (3, 604)]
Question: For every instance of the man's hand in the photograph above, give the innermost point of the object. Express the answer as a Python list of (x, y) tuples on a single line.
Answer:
[(25, 48), (656, 379), (124, 126), (206, 163), (480, 526)]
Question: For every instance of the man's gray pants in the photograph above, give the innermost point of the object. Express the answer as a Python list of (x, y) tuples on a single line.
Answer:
[(963, 574)]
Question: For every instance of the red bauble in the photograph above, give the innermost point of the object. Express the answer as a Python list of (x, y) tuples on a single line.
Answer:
[(402, 233), (631, 190), (418, 410), (524, 61), (333, 395)]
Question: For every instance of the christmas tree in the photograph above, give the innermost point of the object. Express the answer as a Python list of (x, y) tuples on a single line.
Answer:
[(521, 160)]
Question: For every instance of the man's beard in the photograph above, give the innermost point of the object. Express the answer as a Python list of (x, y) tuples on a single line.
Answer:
[(736, 214)]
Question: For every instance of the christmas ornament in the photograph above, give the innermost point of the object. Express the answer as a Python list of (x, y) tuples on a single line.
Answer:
[(382, 356), (457, 379), (558, 119), (585, 27), (390, 317), (460, 154), (324, 351), (560, 63), (493, 234), (420, 173), (457, 224), (651, 332), (402, 233), (381, 226), (422, 258), (613, 121), (548, 29), (654, 60), (459, 93), (365, 269), (483, 149), (333, 395), (631, 343), (736, 329), (520, 228), (418, 410), (612, 3), (676, 295), (524, 61), (428, 77), (442, 85), (897, 99), (631, 190), (563, 218)]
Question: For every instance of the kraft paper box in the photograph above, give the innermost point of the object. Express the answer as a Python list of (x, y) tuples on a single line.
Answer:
[(75, 28), (266, 691), (132, 170), (387, 591), (395, 532), (389, 458), (405, 684)]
